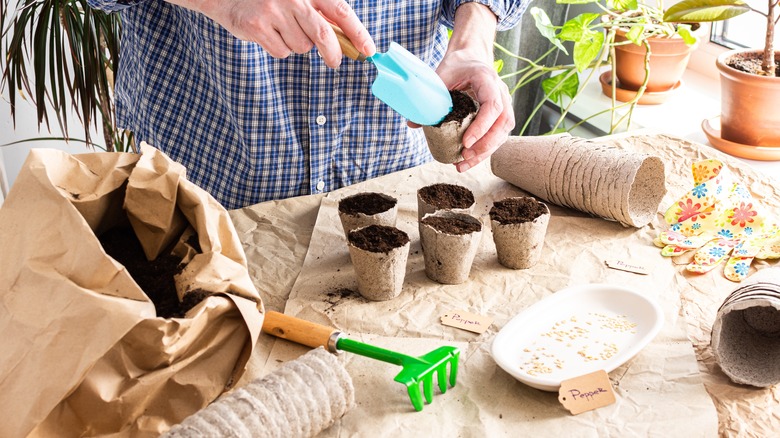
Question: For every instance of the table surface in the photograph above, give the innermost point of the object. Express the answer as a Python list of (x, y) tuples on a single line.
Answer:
[(673, 387)]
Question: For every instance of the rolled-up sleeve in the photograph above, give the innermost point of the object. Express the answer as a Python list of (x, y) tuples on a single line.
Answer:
[(509, 12), (113, 6)]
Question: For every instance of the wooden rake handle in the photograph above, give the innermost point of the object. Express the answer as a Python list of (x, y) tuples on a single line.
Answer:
[(300, 331), (349, 49)]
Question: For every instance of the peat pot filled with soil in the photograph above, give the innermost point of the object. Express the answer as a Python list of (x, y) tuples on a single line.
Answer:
[(450, 241), (445, 140), (452, 197), (367, 208), (379, 254), (519, 226)]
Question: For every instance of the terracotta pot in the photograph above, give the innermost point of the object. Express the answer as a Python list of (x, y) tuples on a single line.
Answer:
[(749, 104), (668, 60)]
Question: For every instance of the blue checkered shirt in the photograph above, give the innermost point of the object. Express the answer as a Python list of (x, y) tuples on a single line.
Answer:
[(251, 128)]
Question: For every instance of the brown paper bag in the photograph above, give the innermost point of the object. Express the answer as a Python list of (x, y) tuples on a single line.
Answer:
[(83, 352)]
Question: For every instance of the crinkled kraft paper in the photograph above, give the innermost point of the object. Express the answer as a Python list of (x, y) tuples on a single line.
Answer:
[(82, 351)]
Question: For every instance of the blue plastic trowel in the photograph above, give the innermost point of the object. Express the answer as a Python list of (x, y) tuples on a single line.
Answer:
[(404, 83)]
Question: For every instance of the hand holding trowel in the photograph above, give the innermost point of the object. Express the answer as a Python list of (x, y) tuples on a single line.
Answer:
[(404, 82)]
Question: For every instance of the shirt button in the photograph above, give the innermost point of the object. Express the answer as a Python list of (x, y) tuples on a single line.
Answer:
[(321, 120), (321, 184)]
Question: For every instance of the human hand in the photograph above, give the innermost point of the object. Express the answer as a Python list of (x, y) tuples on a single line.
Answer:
[(283, 27), (468, 66)]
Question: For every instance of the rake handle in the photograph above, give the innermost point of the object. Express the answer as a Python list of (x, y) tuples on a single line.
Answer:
[(349, 49), (297, 330)]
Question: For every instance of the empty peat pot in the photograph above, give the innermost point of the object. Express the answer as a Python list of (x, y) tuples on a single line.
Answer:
[(450, 241), (519, 226), (367, 208), (379, 254), (746, 334), (445, 140), (443, 196)]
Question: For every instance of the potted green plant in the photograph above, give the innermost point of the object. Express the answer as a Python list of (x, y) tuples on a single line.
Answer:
[(598, 39), (62, 54), (749, 78)]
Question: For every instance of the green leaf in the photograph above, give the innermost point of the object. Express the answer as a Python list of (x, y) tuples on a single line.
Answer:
[(564, 84), (684, 30), (546, 27), (636, 34), (498, 65), (623, 5), (587, 49), (694, 11), (578, 27)]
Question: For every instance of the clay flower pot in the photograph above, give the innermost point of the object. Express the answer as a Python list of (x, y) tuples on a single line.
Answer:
[(749, 103), (450, 241), (668, 59), (379, 255), (436, 197), (445, 140), (519, 226), (367, 208)]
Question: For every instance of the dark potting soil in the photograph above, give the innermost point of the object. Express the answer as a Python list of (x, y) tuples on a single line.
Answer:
[(378, 238), (447, 196), (368, 203), (154, 277), (451, 225), (462, 106), (751, 63), (517, 210)]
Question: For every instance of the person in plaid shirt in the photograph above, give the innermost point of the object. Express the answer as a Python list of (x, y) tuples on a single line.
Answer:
[(254, 99)]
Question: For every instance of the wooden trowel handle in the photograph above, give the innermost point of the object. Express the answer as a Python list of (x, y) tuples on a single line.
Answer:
[(347, 47), (297, 330)]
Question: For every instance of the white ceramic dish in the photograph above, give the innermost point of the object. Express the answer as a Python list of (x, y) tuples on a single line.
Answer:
[(576, 331)]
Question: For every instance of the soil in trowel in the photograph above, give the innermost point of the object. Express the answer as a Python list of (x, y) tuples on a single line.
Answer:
[(378, 238), (516, 210), (154, 277), (462, 106)]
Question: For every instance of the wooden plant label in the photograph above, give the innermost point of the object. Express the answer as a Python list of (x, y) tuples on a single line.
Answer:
[(585, 393), (467, 321), (628, 267)]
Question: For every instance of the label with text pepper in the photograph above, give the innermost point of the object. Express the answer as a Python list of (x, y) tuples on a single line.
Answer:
[(466, 321), (587, 392)]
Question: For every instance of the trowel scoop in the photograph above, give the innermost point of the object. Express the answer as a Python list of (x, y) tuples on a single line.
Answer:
[(404, 82)]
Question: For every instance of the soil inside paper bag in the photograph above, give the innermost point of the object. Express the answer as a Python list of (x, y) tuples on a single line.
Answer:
[(517, 210), (155, 277)]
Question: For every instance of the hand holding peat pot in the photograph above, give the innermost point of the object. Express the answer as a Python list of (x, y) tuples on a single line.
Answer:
[(445, 140), (379, 255), (450, 242), (519, 227), (367, 208)]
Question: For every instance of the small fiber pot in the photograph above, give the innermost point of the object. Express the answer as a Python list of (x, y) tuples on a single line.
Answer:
[(367, 208), (379, 255), (451, 197), (445, 140), (746, 334), (450, 241), (519, 226)]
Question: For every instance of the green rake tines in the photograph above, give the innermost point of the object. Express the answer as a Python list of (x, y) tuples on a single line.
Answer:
[(415, 370)]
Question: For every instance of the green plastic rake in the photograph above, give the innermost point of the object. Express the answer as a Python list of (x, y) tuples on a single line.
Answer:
[(415, 370)]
